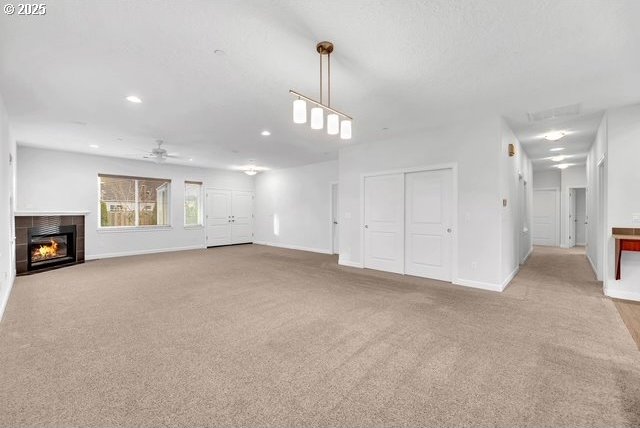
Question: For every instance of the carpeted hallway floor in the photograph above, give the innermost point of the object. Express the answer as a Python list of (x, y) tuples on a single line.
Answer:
[(259, 336)]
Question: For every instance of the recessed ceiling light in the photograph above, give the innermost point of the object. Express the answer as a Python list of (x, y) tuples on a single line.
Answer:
[(265, 133), (134, 99), (558, 158), (94, 146), (554, 136), (556, 149), (190, 159)]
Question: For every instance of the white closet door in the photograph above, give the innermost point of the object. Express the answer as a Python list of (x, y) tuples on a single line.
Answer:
[(384, 222), (545, 217), (241, 217), (218, 217), (428, 223)]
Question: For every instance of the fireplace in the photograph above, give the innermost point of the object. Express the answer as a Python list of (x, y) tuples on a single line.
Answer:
[(48, 240), (51, 246)]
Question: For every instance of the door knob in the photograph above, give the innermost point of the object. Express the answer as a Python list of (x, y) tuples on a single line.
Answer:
[(335, 222), (449, 230), (366, 226)]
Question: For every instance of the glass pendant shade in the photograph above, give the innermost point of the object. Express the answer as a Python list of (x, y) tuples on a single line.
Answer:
[(299, 111), (345, 130), (333, 124), (317, 118)]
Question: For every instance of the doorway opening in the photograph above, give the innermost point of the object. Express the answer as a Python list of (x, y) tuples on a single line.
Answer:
[(577, 217)]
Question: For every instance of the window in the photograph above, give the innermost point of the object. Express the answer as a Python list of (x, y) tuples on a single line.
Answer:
[(133, 201), (192, 203)]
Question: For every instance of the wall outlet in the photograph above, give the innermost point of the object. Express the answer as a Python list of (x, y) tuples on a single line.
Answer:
[(635, 218), (474, 265)]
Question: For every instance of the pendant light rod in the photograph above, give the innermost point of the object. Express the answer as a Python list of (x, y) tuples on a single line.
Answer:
[(319, 104)]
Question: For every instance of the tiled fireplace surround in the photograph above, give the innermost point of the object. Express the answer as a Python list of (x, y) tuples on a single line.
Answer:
[(25, 222)]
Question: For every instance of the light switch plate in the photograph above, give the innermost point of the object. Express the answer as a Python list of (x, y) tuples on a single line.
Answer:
[(635, 218)]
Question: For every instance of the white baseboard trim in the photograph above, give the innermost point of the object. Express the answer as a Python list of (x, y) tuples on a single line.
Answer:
[(141, 252), (593, 266), (622, 294), (478, 284), (509, 278), (350, 264), (5, 298), (294, 247), (527, 256)]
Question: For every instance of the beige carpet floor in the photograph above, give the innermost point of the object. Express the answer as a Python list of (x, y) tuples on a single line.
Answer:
[(259, 336)]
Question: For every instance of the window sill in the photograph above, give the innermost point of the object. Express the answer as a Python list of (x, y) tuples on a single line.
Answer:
[(125, 229), (194, 227)]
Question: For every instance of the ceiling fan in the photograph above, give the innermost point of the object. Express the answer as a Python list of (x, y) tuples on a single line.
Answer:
[(159, 155)]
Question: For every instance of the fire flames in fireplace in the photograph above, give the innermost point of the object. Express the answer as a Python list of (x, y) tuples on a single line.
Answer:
[(46, 251)]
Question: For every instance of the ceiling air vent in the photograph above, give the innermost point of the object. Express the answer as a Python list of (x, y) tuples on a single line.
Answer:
[(554, 113)]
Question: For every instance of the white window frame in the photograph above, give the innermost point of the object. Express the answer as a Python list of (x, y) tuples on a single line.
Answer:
[(136, 227), (200, 223)]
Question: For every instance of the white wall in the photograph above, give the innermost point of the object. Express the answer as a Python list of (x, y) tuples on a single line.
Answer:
[(623, 196), (547, 179), (50, 180), (7, 189), (293, 207), (515, 171), (474, 146), (572, 177)]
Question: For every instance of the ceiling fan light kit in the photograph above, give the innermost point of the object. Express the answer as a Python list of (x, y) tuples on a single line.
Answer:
[(337, 122)]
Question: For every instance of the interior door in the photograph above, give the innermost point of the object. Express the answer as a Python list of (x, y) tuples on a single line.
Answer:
[(428, 223), (334, 219), (218, 217), (572, 218), (384, 222), (545, 215), (241, 217)]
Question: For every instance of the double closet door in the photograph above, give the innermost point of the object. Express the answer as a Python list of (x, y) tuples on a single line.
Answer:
[(408, 221), (229, 217)]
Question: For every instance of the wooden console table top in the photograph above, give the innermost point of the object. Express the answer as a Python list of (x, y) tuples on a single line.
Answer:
[(628, 237)]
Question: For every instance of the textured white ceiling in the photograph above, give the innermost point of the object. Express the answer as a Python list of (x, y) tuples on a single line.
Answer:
[(403, 65)]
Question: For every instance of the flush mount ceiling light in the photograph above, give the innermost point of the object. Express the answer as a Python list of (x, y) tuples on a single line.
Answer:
[(563, 165), (252, 169), (265, 133), (556, 149), (134, 99), (554, 135), (558, 158), (94, 146), (337, 122)]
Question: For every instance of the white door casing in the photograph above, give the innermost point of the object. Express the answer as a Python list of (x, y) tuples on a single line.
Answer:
[(428, 224), (384, 222), (545, 217)]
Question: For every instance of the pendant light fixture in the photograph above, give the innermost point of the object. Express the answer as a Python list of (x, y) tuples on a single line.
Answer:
[(337, 122)]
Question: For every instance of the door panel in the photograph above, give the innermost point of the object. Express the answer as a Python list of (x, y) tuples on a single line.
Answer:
[(334, 219), (545, 215), (218, 218), (428, 223), (572, 218), (241, 217), (383, 217)]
